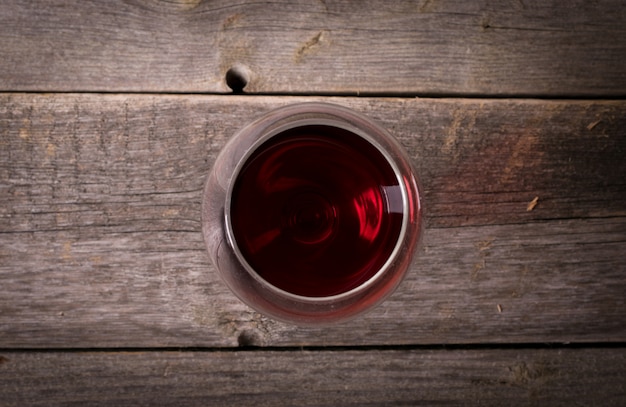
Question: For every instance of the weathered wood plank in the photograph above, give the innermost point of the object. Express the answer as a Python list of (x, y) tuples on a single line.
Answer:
[(557, 377), (100, 241), (553, 282), (528, 47), (484, 158)]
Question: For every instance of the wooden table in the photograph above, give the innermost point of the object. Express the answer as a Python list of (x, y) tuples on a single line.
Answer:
[(112, 113)]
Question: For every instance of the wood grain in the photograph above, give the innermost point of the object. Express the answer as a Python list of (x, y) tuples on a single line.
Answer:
[(556, 377), (100, 241), (442, 47)]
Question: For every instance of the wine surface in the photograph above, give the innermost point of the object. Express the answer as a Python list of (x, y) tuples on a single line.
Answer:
[(316, 210)]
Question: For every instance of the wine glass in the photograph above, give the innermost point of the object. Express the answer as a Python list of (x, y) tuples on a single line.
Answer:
[(312, 214)]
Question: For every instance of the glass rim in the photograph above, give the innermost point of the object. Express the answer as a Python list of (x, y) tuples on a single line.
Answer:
[(341, 122)]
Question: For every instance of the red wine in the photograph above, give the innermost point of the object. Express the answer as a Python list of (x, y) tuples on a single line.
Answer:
[(316, 210), (311, 214)]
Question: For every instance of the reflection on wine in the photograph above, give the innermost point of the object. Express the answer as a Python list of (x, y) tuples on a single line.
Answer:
[(311, 214)]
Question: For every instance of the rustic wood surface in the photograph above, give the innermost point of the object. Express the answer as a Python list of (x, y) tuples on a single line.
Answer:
[(529, 377), (102, 246), (107, 296), (442, 47)]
